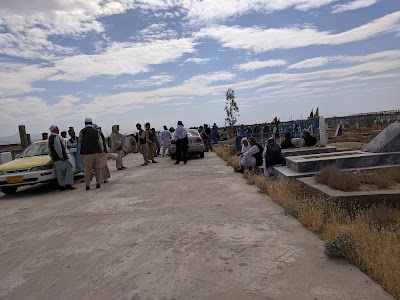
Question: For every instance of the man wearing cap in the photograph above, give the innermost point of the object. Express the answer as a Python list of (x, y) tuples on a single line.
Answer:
[(59, 156), (181, 140), (252, 157), (91, 148)]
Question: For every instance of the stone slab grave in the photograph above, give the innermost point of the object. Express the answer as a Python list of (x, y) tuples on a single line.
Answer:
[(307, 151), (359, 198), (342, 160), (388, 140)]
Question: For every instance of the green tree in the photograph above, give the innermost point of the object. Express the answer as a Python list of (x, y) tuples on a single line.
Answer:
[(232, 112)]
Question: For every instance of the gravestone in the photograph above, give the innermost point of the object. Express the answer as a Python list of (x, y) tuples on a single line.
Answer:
[(388, 140), (339, 130), (323, 136)]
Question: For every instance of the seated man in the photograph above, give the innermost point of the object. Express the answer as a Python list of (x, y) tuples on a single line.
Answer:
[(245, 146), (309, 140), (287, 143), (252, 157), (273, 156)]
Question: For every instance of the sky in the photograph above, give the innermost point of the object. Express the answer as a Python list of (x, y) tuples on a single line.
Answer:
[(160, 61)]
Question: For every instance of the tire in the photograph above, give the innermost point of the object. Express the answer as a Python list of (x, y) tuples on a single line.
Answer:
[(9, 190), (173, 156), (201, 154)]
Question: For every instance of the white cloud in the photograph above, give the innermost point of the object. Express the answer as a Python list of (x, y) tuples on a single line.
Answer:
[(197, 60), (255, 65), (121, 58), (321, 61), (262, 40), (205, 79), (28, 25), (157, 31), (353, 5), (16, 78), (155, 80), (176, 103)]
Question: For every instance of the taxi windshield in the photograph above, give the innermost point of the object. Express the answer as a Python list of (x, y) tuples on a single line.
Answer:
[(36, 150)]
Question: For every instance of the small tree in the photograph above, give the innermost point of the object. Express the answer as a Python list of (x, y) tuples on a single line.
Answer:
[(232, 112)]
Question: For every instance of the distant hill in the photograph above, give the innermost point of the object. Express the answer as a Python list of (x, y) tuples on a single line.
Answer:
[(13, 139)]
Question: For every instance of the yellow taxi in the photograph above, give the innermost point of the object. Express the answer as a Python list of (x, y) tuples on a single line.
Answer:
[(32, 166)]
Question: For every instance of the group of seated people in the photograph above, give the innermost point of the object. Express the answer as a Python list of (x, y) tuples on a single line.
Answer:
[(253, 154)]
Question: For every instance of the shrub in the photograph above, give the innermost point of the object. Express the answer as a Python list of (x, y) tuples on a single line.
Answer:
[(341, 247), (338, 180)]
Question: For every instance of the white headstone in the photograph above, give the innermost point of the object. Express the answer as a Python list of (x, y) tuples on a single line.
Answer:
[(5, 157), (323, 136)]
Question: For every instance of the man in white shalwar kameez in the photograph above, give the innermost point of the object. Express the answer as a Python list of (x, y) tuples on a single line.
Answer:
[(166, 137)]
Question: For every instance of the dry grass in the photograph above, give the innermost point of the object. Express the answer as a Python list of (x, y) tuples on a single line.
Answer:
[(346, 181), (374, 233), (338, 180)]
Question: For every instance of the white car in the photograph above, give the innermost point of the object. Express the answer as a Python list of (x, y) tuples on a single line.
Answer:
[(32, 166)]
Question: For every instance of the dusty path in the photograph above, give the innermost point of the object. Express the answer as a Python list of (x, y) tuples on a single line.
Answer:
[(165, 232)]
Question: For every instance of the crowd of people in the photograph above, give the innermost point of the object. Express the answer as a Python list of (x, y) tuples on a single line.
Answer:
[(254, 155), (92, 150)]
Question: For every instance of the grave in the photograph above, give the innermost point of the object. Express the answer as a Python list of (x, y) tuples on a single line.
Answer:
[(307, 151), (383, 150), (388, 140), (339, 130)]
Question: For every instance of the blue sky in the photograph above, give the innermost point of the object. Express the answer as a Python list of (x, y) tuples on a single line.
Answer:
[(160, 61)]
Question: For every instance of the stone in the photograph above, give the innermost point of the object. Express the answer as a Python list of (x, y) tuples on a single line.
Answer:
[(388, 140), (323, 136), (339, 130)]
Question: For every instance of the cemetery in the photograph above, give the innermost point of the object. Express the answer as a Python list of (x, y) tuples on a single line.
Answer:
[(382, 152)]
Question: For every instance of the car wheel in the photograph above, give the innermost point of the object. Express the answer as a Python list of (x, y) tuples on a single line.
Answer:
[(201, 154), (9, 190), (173, 156)]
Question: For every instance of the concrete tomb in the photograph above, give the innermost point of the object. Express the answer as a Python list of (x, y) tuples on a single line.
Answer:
[(386, 141)]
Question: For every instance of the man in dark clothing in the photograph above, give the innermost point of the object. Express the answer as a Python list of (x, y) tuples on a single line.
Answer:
[(91, 148), (59, 156), (207, 137), (273, 156), (309, 140), (287, 143), (181, 140), (143, 148)]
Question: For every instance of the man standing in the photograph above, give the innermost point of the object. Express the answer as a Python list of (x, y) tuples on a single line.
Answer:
[(74, 143), (142, 144), (181, 139), (150, 140), (166, 140), (207, 137), (215, 133), (116, 146), (91, 148), (59, 156)]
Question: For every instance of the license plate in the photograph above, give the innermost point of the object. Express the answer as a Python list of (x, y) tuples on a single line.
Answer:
[(15, 179)]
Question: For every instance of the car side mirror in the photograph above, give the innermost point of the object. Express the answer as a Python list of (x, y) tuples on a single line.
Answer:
[(73, 150)]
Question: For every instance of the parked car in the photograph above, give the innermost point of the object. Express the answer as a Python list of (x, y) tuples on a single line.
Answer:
[(196, 144), (32, 166)]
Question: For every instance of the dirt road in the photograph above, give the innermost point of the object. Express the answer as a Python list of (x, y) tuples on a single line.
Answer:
[(165, 231)]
